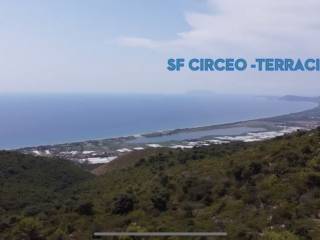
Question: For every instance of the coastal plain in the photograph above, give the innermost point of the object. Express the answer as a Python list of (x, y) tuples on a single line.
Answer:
[(106, 150)]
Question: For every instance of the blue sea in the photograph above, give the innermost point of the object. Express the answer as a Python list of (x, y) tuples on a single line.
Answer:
[(29, 120)]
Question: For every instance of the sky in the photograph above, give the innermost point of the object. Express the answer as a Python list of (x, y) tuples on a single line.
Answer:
[(122, 46)]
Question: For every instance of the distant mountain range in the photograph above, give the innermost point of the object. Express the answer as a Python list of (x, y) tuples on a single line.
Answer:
[(299, 98)]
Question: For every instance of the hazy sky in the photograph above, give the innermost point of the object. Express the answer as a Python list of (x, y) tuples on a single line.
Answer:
[(123, 45)]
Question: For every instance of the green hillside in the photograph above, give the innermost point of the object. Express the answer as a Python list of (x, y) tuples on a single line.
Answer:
[(266, 190), (33, 187)]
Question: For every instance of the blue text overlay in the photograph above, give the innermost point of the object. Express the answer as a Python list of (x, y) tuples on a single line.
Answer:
[(241, 64)]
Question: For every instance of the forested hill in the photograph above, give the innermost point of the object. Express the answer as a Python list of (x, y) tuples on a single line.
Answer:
[(27, 182), (264, 190)]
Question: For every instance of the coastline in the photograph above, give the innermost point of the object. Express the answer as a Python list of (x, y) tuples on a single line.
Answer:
[(105, 150)]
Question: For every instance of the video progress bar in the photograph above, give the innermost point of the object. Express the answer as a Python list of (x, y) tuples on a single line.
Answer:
[(160, 234)]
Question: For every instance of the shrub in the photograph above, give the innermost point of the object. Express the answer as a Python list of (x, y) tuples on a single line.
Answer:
[(85, 209), (313, 180), (198, 189), (160, 200), (28, 229), (123, 204)]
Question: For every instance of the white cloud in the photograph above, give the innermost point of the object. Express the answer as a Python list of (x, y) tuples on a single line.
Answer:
[(245, 27), (241, 28), (137, 42)]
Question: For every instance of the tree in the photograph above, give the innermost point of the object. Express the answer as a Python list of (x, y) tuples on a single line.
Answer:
[(86, 209), (160, 199), (123, 204)]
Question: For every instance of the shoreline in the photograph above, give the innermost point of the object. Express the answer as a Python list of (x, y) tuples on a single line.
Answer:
[(108, 149), (167, 132)]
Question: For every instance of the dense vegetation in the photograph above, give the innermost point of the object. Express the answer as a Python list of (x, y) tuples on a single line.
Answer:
[(32, 189), (266, 190)]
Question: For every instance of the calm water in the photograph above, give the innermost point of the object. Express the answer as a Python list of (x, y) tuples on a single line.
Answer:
[(28, 120), (197, 135)]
